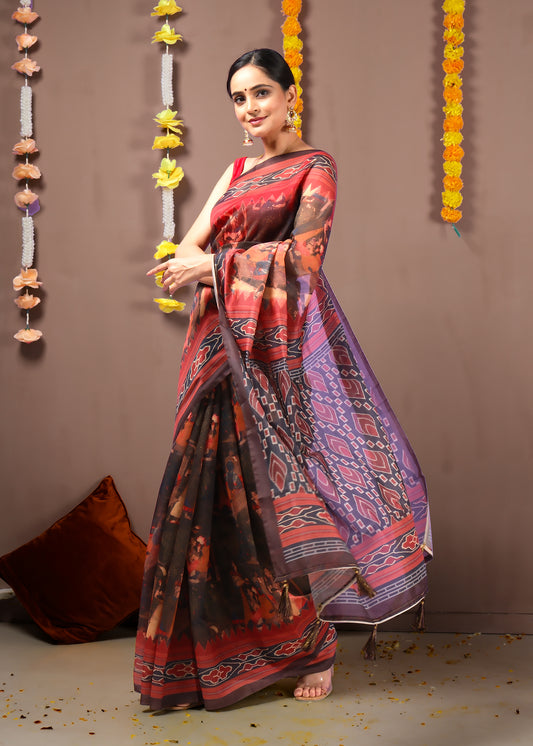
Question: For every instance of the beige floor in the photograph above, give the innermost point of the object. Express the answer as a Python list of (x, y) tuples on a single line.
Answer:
[(434, 689)]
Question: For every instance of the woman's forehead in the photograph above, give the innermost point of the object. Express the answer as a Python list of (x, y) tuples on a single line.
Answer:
[(248, 77)]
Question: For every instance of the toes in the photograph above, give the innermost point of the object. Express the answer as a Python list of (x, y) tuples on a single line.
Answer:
[(309, 692)]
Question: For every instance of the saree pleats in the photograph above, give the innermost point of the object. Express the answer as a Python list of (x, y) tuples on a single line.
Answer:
[(213, 632)]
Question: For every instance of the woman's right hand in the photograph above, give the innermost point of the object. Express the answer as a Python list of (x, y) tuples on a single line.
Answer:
[(184, 270)]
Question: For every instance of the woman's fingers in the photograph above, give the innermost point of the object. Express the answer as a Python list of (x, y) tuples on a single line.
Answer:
[(159, 268)]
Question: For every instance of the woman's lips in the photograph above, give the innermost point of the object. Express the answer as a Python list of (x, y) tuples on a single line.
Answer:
[(258, 120)]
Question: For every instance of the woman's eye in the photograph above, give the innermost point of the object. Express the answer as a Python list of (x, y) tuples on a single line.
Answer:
[(262, 93), (238, 99)]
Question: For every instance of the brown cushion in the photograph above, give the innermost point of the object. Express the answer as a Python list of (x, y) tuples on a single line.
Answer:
[(83, 575)]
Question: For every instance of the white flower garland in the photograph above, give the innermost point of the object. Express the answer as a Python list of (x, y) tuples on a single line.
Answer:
[(167, 93), (26, 118), (28, 242), (167, 96), (169, 227)]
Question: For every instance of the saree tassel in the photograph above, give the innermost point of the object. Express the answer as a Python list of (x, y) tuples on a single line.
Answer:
[(364, 586), (312, 637), (285, 608), (369, 651), (420, 621)]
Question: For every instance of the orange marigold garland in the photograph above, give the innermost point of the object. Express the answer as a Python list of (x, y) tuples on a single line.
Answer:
[(26, 200), (292, 49), (169, 175), (453, 110)]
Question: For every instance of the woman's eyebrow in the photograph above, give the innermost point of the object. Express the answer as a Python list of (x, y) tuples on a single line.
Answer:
[(253, 88)]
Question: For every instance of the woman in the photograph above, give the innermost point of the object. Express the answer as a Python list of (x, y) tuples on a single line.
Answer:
[(291, 498)]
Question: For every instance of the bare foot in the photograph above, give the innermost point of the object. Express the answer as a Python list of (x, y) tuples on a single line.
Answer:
[(314, 686)]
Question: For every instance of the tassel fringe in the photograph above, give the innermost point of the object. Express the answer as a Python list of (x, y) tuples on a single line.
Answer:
[(369, 651), (311, 639), (284, 608), (420, 621), (364, 586)]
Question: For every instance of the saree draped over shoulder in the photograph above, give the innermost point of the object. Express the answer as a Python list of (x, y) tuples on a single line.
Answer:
[(291, 493)]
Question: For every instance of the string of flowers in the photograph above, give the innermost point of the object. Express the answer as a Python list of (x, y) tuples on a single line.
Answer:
[(25, 199), (169, 175), (292, 50), (453, 110)]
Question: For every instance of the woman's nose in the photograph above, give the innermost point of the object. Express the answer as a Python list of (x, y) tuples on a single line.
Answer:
[(251, 105)]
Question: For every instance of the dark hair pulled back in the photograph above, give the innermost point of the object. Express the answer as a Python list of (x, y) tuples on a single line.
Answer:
[(270, 61)]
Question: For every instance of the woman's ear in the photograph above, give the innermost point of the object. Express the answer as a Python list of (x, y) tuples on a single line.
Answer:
[(292, 95)]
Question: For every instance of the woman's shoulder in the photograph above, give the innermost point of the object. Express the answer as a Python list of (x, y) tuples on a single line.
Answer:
[(321, 156), (318, 158)]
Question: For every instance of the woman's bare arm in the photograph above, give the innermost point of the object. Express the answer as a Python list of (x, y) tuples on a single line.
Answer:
[(191, 263)]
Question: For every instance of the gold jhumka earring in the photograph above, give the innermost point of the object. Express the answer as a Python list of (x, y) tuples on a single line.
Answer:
[(247, 139), (289, 120)]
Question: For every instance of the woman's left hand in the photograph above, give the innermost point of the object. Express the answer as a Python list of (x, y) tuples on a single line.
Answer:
[(182, 271)]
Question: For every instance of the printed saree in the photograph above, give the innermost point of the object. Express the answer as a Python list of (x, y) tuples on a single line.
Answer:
[(291, 497)]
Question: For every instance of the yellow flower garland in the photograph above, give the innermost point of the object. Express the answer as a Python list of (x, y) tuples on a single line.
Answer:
[(292, 49), (169, 175), (453, 110)]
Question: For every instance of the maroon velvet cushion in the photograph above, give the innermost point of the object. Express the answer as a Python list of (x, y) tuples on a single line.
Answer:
[(83, 575)]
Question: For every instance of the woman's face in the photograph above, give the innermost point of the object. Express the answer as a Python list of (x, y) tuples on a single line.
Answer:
[(260, 103)]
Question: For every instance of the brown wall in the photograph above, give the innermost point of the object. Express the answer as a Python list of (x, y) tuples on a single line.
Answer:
[(445, 321)]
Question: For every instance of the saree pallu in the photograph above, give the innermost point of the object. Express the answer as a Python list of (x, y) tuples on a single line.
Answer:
[(291, 493)]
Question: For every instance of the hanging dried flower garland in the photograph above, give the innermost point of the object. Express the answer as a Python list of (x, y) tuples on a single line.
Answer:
[(453, 110), (26, 200), (169, 175), (292, 49)]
